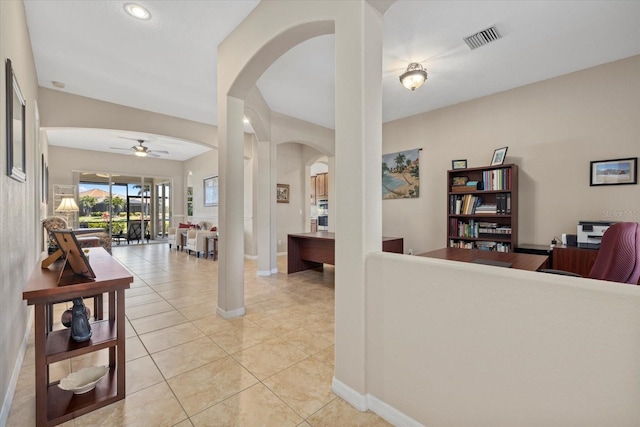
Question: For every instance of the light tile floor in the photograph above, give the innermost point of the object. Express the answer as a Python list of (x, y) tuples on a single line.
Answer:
[(187, 366)]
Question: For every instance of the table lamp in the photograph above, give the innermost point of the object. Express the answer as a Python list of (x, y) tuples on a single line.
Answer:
[(68, 205)]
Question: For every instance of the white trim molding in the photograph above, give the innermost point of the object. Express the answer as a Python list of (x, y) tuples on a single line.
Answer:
[(231, 314), (367, 401)]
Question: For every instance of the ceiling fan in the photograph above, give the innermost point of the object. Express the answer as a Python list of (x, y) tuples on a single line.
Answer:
[(141, 150)]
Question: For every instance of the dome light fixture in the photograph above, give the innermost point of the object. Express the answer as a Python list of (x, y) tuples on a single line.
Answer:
[(137, 11), (414, 76)]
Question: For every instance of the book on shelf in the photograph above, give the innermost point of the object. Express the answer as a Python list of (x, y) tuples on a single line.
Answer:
[(497, 179)]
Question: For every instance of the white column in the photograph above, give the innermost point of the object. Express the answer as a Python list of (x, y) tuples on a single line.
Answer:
[(231, 210), (273, 169), (331, 163), (263, 197), (358, 205)]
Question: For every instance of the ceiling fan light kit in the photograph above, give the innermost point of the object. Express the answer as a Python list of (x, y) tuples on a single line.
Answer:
[(414, 76), (141, 150)]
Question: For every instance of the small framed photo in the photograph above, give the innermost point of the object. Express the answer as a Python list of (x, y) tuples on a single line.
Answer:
[(614, 172), (282, 193), (459, 164), (459, 180), (498, 156)]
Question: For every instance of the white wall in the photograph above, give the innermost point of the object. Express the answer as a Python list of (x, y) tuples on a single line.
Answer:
[(553, 129), (460, 344), (19, 204)]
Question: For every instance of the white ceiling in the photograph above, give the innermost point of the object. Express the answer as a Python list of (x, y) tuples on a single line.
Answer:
[(168, 64)]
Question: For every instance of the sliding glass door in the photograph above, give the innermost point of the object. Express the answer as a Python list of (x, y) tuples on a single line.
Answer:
[(125, 205)]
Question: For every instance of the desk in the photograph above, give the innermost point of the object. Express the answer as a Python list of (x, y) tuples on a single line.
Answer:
[(574, 259), (54, 405), (517, 260), (306, 251)]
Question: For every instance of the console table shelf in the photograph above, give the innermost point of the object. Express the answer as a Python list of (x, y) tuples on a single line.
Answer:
[(54, 405)]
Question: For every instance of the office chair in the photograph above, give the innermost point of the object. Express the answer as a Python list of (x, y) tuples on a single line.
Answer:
[(618, 258)]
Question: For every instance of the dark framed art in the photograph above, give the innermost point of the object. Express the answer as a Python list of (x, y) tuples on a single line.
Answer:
[(614, 172), (211, 191), (16, 145), (498, 156), (282, 193), (459, 164)]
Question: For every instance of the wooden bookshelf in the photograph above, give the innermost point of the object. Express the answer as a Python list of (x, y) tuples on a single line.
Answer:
[(482, 208)]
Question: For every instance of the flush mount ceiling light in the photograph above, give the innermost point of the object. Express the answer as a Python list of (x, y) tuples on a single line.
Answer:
[(414, 76), (137, 11), (58, 84)]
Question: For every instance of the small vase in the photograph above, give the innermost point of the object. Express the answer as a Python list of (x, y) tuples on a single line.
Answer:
[(80, 327)]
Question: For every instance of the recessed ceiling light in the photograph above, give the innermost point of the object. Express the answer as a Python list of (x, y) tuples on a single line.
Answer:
[(137, 11), (58, 84)]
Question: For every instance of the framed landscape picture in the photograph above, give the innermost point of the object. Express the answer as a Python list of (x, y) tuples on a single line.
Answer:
[(211, 191), (16, 145), (614, 172)]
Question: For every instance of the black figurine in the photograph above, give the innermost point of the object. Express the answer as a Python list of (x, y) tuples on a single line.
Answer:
[(80, 327)]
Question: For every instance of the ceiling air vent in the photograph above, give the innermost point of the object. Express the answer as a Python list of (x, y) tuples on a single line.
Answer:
[(481, 38)]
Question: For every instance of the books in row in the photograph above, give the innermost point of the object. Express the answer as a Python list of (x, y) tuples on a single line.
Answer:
[(497, 179), (480, 230), (483, 246), (471, 205)]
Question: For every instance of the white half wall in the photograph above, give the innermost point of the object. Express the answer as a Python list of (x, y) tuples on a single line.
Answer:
[(460, 344)]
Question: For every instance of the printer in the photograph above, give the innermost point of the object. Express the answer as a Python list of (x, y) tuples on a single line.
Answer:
[(590, 233)]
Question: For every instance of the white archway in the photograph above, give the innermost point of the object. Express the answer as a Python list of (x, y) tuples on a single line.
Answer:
[(270, 30)]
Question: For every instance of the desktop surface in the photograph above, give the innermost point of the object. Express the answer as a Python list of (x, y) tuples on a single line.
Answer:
[(502, 259)]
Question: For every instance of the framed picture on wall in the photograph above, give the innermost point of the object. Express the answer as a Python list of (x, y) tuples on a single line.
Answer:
[(16, 145), (211, 191), (282, 193), (614, 172)]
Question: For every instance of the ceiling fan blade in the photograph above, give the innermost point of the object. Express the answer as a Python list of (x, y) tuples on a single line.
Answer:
[(158, 151), (134, 139), (118, 148), (150, 154)]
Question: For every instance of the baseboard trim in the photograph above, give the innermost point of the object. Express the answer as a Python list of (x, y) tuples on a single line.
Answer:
[(355, 399), (274, 270), (391, 414), (231, 314), (13, 382), (263, 273), (363, 402)]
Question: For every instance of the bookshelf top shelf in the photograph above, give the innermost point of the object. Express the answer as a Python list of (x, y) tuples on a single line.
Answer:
[(482, 168)]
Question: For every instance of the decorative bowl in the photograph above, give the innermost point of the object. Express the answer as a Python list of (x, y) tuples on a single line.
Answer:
[(84, 380)]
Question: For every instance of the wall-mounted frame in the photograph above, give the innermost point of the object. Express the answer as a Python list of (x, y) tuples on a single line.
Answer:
[(459, 164), (282, 193), (211, 191), (614, 172), (498, 156), (16, 145)]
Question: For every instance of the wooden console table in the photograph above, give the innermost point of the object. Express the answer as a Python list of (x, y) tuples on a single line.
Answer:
[(517, 260), (54, 405), (306, 251)]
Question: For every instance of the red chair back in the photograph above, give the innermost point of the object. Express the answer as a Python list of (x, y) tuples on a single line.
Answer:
[(618, 258)]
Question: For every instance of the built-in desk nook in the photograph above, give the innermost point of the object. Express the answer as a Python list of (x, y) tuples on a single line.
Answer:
[(306, 251), (54, 405)]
